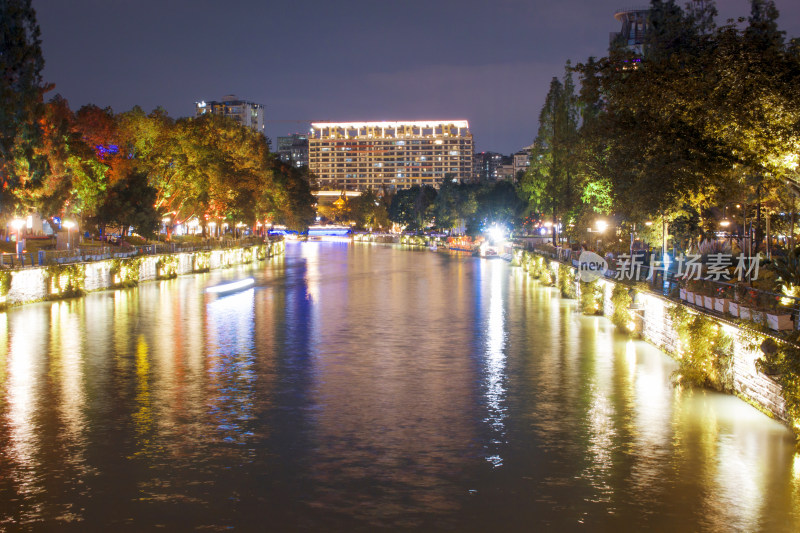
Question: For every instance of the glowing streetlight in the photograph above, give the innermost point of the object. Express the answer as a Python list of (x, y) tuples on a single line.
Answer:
[(69, 225), (601, 225), (496, 233), (725, 223), (17, 224)]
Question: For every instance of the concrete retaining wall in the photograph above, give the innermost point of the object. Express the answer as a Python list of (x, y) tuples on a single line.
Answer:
[(655, 326), (34, 284)]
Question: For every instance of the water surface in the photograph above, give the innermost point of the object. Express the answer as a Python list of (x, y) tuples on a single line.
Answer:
[(360, 387)]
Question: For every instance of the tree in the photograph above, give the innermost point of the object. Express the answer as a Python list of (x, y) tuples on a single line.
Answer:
[(369, 211), (76, 180), (495, 203), (413, 207), (550, 185), (295, 208), (99, 130), (55, 147), (447, 211), (130, 204), (21, 107)]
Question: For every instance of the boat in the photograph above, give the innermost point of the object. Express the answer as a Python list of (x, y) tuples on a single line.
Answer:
[(233, 286)]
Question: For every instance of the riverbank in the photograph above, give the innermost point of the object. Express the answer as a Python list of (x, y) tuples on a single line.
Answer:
[(68, 280), (714, 352)]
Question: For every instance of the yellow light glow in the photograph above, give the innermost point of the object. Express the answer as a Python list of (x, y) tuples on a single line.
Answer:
[(392, 125)]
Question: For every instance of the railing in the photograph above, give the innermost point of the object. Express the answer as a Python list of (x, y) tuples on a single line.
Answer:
[(100, 253), (668, 284)]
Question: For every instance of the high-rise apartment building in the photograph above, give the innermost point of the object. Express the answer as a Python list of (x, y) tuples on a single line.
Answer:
[(398, 155), (247, 114), (522, 161), (634, 28), (294, 149), (487, 165), (636, 23)]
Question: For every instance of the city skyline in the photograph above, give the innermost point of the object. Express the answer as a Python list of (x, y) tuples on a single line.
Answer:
[(359, 62)]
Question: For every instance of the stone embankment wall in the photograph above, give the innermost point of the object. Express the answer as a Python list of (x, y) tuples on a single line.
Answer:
[(656, 327), (65, 280), (654, 324)]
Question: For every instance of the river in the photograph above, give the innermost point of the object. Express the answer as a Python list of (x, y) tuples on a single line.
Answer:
[(358, 387)]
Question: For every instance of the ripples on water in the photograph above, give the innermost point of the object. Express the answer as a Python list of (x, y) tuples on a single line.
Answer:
[(358, 387)]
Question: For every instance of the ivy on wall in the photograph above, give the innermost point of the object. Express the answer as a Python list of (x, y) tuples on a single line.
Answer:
[(201, 261), (705, 353), (167, 267), (65, 281), (781, 361), (125, 272), (622, 316), (5, 282), (592, 298), (566, 281), (538, 267), (414, 240)]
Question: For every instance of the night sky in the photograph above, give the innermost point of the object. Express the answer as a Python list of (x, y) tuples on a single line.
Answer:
[(487, 62)]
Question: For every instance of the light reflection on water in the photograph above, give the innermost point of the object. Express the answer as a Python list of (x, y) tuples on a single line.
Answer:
[(495, 359), (363, 386)]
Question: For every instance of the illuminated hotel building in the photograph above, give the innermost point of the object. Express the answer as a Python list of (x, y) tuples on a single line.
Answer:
[(370, 155)]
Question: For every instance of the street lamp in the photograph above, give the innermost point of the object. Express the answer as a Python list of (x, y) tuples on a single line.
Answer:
[(601, 226), (17, 224), (726, 222), (69, 225)]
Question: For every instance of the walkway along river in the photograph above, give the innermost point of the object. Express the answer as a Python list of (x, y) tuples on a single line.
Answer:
[(360, 386)]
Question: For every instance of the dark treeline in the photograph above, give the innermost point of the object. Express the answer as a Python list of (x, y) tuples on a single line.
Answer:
[(467, 207), (456, 207), (130, 169), (707, 117)]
